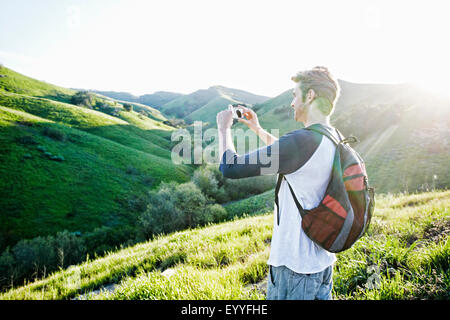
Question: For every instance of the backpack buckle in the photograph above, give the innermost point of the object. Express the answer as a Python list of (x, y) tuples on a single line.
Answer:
[(348, 140)]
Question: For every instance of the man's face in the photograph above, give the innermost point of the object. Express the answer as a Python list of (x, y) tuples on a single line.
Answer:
[(298, 105)]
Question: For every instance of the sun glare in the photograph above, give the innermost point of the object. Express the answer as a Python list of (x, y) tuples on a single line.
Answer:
[(437, 87)]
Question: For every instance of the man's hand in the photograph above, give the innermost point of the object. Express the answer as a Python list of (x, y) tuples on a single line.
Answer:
[(253, 123), (225, 119), (251, 119)]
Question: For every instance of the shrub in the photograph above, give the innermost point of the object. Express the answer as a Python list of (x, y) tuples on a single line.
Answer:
[(211, 181), (132, 170), (243, 188), (206, 181), (161, 215), (26, 140), (174, 207), (177, 123), (70, 249), (105, 238), (25, 256), (191, 201), (7, 268), (57, 158), (214, 185), (48, 154), (53, 133), (34, 258), (107, 108), (215, 213), (82, 98), (222, 196), (128, 107)]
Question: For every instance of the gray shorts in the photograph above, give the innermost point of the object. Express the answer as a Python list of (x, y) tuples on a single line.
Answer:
[(285, 284)]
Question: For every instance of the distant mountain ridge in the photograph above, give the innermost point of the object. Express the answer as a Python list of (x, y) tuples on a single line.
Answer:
[(156, 99), (199, 105)]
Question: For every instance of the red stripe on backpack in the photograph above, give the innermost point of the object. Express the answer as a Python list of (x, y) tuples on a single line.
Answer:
[(355, 184), (335, 206), (355, 169)]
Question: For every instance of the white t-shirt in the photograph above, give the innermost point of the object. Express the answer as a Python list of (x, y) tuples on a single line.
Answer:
[(306, 159)]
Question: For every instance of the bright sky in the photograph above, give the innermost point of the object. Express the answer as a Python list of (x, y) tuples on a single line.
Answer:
[(182, 46)]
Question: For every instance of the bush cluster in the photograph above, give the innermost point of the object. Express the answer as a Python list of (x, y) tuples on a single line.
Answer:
[(177, 123), (34, 258), (222, 190), (175, 207), (128, 107), (54, 134), (83, 98), (107, 108), (49, 155), (88, 100), (178, 206)]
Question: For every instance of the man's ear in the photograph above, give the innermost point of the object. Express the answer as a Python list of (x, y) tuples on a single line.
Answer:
[(310, 95)]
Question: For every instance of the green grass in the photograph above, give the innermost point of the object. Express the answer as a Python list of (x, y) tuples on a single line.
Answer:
[(253, 205), (106, 163), (119, 130), (228, 260), (18, 83), (90, 188)]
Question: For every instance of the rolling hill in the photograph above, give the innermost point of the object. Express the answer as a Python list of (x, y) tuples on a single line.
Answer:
[(75, 167)]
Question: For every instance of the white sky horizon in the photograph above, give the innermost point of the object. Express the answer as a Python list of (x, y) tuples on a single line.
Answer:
[(142, 47)]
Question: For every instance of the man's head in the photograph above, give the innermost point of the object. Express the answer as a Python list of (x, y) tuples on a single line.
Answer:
[(315, 93)]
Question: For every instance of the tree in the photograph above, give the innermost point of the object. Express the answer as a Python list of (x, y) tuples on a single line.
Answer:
[(206, 181), (82, 98), (173, 207), (128, 107), (162, 214), (191, 201)]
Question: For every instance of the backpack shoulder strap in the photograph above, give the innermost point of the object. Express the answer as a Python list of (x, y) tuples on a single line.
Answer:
[(320, 129), (341, 136), (277, 189)]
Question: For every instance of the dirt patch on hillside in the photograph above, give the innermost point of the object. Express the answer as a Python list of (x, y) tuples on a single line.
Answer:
[(437, 230)]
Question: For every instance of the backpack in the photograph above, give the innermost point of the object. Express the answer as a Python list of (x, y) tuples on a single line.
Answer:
[(346, 209)]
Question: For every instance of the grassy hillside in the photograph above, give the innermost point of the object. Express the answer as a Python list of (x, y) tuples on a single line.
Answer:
[(89, 188), (75, 167), (15, 82), (403, 131), (404, 255)]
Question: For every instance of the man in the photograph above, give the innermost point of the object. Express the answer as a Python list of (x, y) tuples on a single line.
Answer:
[(298, 268)]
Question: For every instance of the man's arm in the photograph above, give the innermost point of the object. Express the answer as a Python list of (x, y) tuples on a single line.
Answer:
[(264, 135), (285, 155), (225, 141)]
